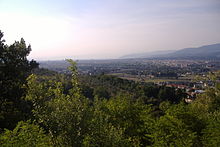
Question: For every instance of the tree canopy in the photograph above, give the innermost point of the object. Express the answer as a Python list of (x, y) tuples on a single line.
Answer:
[(14, 69)]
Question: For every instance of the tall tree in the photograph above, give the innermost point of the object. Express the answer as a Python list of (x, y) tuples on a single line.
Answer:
[(14, 69)]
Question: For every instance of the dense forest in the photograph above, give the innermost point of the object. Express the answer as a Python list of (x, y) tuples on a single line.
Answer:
[(39, 107)]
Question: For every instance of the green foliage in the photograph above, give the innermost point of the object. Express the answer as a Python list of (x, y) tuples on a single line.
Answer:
[(206, 107), (25, 134), (133, 116), (110, 86), (180, 126), (9, 115), (87, 91), (14, 69), (65, 116), (186, 115), (106, 135), (101, 93), (102, 132), (170, 131), (211, 137), (164, 106), (74, 80), (73, 120), (167, 93), (209, 102)]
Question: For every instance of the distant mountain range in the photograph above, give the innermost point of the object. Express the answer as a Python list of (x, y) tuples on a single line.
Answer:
[(203, 52)]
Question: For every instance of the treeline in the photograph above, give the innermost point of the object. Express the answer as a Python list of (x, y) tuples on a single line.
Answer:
[(50, 109), (107, 86)]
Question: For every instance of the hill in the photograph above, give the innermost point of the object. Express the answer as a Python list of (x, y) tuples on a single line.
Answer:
[(203, 52)]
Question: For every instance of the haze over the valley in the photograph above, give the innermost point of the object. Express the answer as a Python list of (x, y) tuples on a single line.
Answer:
[(104, 29)]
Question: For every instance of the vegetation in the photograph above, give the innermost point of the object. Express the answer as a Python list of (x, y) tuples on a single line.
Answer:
[(51, 109), (14, 69)]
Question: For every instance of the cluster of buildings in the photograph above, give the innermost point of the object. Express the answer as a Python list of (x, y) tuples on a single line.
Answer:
[(192, 89)]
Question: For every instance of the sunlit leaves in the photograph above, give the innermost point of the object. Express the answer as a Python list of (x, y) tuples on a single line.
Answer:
[(25, 134)]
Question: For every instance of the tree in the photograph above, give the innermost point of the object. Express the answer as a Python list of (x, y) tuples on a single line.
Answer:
[(102, 131), (170, 131), (87, 91), (167, 93), (25, 134), (206, 107), (14, 69), (101, 93), (211, 134), (65, 116), (133, 116)]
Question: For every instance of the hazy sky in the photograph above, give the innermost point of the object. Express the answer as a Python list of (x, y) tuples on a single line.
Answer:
[(58, 29)]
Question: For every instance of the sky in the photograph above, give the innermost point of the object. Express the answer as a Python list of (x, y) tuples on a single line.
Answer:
[(108, 29)]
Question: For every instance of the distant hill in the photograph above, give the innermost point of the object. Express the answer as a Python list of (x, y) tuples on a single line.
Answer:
[(203, 52), (207, 52)]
